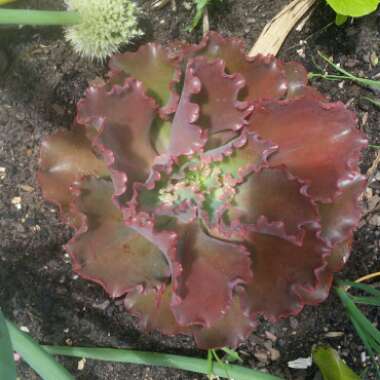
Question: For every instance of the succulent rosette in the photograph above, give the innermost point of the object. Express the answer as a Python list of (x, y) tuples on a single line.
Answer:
[(207, 188)]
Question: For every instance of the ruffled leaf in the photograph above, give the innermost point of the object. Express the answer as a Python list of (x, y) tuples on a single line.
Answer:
[(242, 156), (341, 217), (65, 158), (220, 109), (153, 311), (264, 76), (278, 196), (229, 331), (187, 137), (124, 118), (334, 263), (109, 252), (211, 269), (156, 68), (280, 268), (318, 142), (296, 76)]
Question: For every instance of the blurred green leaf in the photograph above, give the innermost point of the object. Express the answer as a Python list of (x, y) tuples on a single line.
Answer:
[(340, 19), (231, 355), (201, 6), (367, 332), (374, 101), (331, 365), (372, 84), (32, 353), (353, 8), (7, 365)]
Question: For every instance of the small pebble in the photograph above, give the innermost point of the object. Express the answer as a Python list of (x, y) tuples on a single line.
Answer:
[(270, 336), (300, 363), (81, 364), (261, 356), (274, 354), (16, 201), (334, 334), (2, 172), (24, 329), (293, 323), (27, 188), (374, 59)]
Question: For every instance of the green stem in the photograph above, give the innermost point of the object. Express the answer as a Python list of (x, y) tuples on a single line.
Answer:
[(41, 361), (157, 359), (33, 17)]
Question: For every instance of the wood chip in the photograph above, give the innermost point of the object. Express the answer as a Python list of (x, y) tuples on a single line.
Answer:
[(275, 32)]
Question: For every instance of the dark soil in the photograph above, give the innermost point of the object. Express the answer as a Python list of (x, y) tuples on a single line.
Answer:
[(41, 80)]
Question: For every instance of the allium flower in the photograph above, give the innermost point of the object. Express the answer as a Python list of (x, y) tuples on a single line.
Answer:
[(104, 26), (207, 188)]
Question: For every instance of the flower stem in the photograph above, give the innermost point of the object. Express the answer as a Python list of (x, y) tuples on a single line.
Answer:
[(34, 17)]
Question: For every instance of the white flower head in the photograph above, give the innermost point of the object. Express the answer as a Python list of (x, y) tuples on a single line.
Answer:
[(104, 26)]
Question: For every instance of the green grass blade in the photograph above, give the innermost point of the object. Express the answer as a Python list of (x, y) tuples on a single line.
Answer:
[(231, 355), (162, 360), (36, 17), (372, 100), (372, 301), (41, 361), (368, 334), (367, 344), (373, 84), (360, 318), (366, 288), (7, 365)]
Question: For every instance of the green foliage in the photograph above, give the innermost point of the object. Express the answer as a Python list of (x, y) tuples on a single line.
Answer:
[(352, 8), (331, 365), (7, 366), (41, 360), (344, 75), (367, 332), (33, 354), (201, 6), (207, 366)]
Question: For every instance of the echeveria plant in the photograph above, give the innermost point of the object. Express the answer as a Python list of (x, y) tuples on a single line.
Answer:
[(207, 188)]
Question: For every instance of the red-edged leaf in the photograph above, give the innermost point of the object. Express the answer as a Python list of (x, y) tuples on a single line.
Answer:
[(242, 156), (211, 269), (229, 331), (124, 118), (153, 311), (280, 268), (154, 66), (186, 136), (335, 262), (264, 76), (318, 142), (296, 76), (277, 195), (341, 217), (65, 158), (107, 251), (220, 109)]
